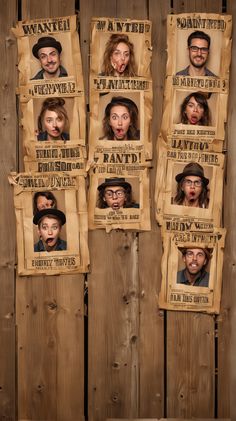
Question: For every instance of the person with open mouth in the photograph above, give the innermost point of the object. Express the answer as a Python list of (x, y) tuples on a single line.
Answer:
[(53, 121), (192, 187), (115, 193), (49, 222), (118, 58), (195, 110), (121, 120), (196, 261)]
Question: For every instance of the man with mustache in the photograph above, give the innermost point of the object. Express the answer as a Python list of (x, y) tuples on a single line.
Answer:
[(50, 222), (198, 50), (47, 51), (196, 261)]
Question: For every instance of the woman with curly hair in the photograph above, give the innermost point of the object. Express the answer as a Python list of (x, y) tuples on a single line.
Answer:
[(195, 110), (118, 58), (53, 122), (121, 120)]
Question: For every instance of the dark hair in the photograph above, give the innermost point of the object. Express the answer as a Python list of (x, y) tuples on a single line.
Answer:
[(201, 100), (114, 40), (49, 195), (200, 35), (203, 199), (133, 132), (129, 202), (56, 105)]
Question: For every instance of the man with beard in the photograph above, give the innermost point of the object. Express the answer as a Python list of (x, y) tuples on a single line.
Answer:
[(47, 51), (49, 223), (196, 261), (198, 48)]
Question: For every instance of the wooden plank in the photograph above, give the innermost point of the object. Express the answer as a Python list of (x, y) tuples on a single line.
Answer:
[(32, 9), (152, 397), (50, 348), (198, 6), (190, 394), (227, 318), (113, 326), (50, 319), (190, 365), (8, 150), (113, 359)]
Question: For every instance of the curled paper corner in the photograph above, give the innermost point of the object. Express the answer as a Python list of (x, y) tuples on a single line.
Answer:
[(13, 178)]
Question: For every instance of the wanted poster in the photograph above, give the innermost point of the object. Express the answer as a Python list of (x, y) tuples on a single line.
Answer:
[(49, 57), (51, 223), (120, 47), (119, 202), (53, 132), (199, 44), (189, 184), (120, 127), (192, 271), (194, 114)]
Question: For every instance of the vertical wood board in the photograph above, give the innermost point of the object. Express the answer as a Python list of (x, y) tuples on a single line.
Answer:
[(8, 151)]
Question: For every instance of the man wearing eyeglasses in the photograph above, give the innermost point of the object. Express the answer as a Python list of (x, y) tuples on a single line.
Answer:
[(198, 49), (194, 273), (115, 193), (192, 187)]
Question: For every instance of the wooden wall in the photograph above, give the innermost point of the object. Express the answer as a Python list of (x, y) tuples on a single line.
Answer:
[(142, 362)]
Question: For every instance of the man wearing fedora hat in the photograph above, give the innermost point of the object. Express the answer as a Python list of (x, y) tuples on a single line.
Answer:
[(196, 261), (192, 187), (47, 50), (49, 223), (115, 193)]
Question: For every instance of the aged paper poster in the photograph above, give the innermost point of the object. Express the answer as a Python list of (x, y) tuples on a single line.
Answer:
[(36, 67), (107, 32), (192, 271), (51, 223), (119, 201)]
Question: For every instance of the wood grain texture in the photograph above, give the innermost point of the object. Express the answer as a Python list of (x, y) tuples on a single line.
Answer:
[(8, 153), (50, 320), (50, 348), (32, 9), (190, 365), (113, 326), (227, 318), (198, 6)]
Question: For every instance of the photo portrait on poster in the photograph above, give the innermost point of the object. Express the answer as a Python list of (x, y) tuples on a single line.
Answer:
[(194, 113), (49, 51), (120, 121), (120, 47), (53, 132), (51, 217), (192, 271), (189, 184), (119, 202), (199, 45)]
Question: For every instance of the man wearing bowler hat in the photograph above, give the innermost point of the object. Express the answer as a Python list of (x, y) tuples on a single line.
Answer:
[(47, 50), (115, 193), (49, 223), (196, 261), (192, 187)]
